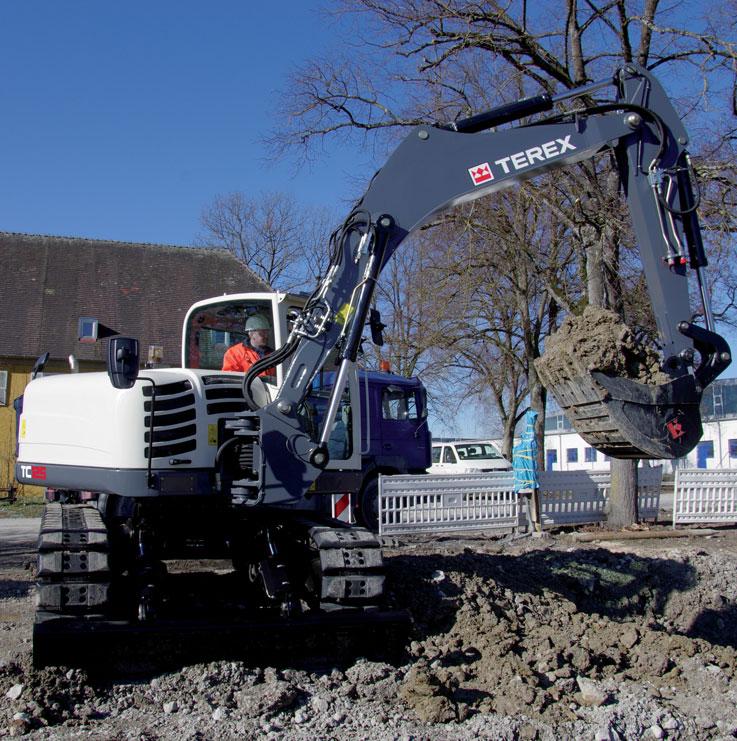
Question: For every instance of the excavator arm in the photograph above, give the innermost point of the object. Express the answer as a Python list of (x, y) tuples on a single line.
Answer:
[(438, 167)]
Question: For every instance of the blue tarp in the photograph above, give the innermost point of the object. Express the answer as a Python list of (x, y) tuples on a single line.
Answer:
[(524, 457)]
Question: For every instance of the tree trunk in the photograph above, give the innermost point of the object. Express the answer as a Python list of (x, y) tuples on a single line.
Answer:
[(623, 505), (623, 510)]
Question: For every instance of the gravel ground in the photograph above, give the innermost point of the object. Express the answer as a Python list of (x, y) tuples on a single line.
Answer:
[(513, 639)]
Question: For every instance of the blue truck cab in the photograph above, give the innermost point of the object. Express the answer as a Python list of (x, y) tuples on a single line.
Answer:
[(394, 436)]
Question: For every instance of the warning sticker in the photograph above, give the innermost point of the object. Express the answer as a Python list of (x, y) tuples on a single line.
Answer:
[(344, 314), (212, 434)]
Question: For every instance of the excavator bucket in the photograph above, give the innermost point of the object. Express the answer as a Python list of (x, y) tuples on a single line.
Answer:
[(626, 419)]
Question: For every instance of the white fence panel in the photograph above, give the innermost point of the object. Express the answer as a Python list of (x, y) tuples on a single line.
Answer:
[(580, 497), (570, 498), (437, 503), (705, 495)]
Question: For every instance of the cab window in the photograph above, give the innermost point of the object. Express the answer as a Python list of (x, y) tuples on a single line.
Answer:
[(436, 453), (449, 456), (215, 328), (398, 403)]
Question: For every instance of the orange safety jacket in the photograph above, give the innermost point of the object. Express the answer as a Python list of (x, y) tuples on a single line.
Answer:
[(241, 357)]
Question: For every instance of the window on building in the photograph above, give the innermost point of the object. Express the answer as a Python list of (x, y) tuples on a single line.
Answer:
[(572, 455), (552, 456), (589, 455), (733, 448), (3, 388), (704, 452)]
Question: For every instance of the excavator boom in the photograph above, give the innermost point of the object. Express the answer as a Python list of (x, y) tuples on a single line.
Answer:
[(437, 167)]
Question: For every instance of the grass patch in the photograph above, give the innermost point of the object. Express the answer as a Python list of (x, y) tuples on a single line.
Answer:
[(22, 507)]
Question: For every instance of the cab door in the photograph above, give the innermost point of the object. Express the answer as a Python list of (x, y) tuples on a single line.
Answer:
[(401, 418)]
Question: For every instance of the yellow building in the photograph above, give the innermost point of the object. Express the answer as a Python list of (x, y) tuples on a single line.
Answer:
[(140, 290)]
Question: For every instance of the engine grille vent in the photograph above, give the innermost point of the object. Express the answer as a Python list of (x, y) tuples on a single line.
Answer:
[(224, 399), (174, 416)]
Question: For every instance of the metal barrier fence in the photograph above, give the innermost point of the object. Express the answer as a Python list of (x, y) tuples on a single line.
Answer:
[(580, 497), (487, 501), (436, 503), (704, 495)]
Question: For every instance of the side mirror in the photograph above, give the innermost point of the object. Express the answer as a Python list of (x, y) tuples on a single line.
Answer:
[(122, 362), (39, 365), (377, 327)]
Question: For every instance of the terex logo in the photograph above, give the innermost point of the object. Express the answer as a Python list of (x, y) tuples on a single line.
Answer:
[(33, 472), (521, 160)]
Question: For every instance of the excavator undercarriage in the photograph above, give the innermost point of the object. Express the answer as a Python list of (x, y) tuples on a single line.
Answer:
[(301, 587)]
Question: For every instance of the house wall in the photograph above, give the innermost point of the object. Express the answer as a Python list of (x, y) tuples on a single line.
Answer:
[(717, 449), (19, 374), (569, 445)]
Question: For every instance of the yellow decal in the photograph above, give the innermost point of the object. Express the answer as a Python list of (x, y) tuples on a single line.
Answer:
[(212, 434), (23, 429), (345, 313)]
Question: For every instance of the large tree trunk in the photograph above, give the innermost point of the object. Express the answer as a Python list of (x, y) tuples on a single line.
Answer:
[(623, 505), (604, 291)]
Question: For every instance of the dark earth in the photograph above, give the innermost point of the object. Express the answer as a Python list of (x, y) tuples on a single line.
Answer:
[(526, 638), (598, 340)]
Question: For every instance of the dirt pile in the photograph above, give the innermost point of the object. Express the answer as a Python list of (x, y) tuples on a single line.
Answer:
[(512, 640), (597, 340), (562, 634)]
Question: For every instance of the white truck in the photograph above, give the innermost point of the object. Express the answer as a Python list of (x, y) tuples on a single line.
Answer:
[(467, 456)]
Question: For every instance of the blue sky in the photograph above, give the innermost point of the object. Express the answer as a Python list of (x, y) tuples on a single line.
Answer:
[(123, 120)]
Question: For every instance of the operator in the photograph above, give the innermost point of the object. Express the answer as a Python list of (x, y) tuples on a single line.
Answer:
[(242, 356)]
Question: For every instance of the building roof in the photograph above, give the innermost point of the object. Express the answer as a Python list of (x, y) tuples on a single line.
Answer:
[(140, 290)]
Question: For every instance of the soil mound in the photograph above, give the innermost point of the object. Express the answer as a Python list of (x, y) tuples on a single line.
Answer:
[(598, 340)]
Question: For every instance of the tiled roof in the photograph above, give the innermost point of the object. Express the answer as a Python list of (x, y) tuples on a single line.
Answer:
[(141, 290)]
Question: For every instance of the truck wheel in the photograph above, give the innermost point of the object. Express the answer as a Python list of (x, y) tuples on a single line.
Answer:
[(368, 505)]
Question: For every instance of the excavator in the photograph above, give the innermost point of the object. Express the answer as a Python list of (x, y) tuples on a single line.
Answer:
[(255, 499)]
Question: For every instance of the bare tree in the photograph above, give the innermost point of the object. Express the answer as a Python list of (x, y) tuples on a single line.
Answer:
[(282, 243), (442, 59)]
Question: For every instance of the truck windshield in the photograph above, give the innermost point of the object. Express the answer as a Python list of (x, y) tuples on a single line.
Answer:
[(477, 452), (311, 415), (215, 328)]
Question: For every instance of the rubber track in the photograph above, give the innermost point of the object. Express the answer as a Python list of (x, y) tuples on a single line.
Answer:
[(352, 567), (73, 572)]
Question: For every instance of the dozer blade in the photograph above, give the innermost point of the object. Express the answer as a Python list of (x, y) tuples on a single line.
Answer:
[(112, 648), (626, 419)]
